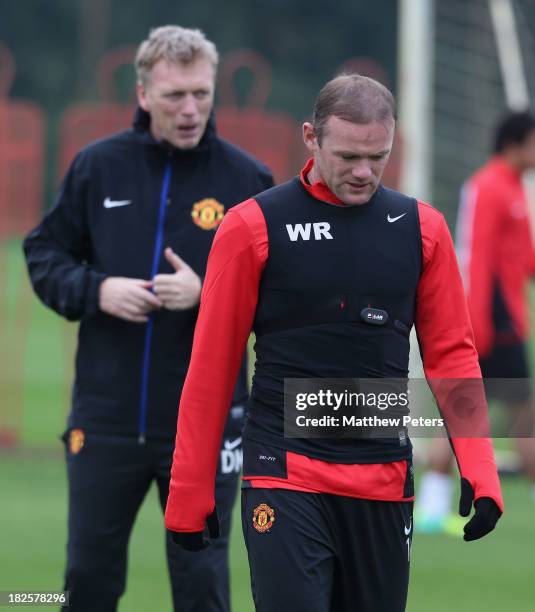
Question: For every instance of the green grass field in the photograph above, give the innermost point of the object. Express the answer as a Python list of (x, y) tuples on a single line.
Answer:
[(492, 575)]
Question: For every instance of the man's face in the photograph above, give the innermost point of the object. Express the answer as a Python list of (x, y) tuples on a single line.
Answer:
[(526, 153), (179, 98), (351, 157)]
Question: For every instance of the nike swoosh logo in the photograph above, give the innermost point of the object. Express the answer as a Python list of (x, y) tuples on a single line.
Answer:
[(232, 445), (407, 531), (109, 203), (393, 219)]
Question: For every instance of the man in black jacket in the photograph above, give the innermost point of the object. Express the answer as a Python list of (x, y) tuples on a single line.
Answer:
[(124, 251)]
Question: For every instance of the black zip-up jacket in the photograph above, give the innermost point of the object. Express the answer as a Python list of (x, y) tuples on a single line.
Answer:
[(123, 200)]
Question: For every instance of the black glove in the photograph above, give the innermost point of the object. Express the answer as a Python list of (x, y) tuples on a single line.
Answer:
[(486, 513), (197, 540)]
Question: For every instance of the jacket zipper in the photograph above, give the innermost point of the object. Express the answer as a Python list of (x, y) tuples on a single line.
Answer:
[(142, 428)]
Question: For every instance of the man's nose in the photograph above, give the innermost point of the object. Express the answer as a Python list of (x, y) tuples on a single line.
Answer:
[(362, 170), (189, 105)]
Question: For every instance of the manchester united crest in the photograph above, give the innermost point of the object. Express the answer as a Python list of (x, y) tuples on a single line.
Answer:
[(263, 518), (76, 441), (207, 213)]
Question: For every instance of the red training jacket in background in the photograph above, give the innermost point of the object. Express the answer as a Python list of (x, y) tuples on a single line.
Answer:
[(496, 253)]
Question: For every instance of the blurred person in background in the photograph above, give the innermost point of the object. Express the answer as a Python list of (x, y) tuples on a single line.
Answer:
[(330, 270), (124, 251), (497, 259)]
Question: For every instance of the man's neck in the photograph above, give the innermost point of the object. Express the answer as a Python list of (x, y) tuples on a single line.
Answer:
[(312, 175)]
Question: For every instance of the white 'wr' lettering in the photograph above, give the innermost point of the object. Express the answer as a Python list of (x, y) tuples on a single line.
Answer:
[(321, 230)]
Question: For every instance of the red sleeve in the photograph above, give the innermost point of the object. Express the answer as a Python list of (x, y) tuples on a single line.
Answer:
[(480, 218), (227, 309), (447, 347), (442, 322)]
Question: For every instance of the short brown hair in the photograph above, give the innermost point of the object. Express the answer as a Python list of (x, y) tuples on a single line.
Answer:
[(174, 44), (354, 98)]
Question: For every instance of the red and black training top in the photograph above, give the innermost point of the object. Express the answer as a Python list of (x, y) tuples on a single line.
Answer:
[(297, 265), (496, 254)]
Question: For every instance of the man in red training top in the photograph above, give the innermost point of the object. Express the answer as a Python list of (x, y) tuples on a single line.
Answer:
[(330, 271), (497, 259)]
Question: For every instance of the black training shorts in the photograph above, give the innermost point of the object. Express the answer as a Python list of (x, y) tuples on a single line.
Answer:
[(326, 553)]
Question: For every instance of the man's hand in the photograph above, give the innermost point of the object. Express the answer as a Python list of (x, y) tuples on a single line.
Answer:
[(195, 541), (180, 290), (486, 513), (128, 298)]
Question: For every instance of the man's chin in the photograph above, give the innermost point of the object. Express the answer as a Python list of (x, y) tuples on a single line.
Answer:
[(355, 199), (184, 144)]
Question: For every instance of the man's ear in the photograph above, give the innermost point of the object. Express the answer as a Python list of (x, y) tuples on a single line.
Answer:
[(141, 93), (309, 137)]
